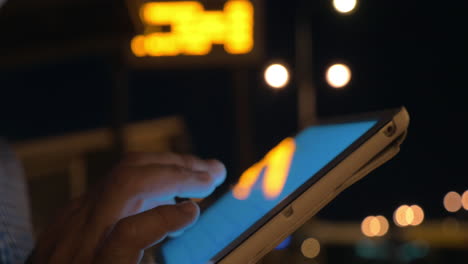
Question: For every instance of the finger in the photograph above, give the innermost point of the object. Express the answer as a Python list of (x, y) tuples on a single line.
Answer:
[(154, 202), (153, 181), (136, 233), (214, 167), (70, 241), (49, 236), (163, 182)]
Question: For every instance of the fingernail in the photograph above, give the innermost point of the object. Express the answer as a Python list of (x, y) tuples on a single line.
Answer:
[(203, 176), (187, 207)]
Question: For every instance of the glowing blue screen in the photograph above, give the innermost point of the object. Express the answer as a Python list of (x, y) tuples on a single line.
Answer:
[(228, 218)]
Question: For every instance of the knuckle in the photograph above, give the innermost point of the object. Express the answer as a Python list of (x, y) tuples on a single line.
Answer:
[(122, 179), (189, 161), (132, 157), (125, 230), (206, 178), (175, 171), (164, 222)]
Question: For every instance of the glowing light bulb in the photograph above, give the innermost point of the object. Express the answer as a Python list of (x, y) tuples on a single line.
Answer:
[(338, 75), (276, 75), (344, 6)]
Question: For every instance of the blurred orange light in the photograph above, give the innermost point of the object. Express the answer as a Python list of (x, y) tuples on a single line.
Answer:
[(276, 163), (452, 202), (465, 200), (246, 181), (374, 226), (279, 161), (310, 248), (418, 215), (138, 46), (409, 216), (194, 30), (365, 226), (383, 223), (400, 216)]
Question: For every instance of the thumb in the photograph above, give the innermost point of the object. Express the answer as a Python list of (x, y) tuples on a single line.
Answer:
[(131, 235)]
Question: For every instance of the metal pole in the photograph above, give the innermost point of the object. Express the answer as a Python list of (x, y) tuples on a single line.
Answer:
[(243, 143), (307, 105)]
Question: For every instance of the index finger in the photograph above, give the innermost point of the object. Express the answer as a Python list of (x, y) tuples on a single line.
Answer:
[(165, 182), (214, 167), (131, 185)]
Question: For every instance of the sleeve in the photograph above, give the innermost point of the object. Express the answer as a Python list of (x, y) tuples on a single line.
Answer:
[(16, 239)]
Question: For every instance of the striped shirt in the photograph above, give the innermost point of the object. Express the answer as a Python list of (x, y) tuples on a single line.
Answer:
[(16, 239)]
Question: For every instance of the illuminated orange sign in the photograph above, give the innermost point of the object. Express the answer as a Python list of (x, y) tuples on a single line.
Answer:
[(193, 30), (276, 164)]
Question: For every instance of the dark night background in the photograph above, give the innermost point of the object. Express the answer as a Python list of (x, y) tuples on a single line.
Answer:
[(411, 53)]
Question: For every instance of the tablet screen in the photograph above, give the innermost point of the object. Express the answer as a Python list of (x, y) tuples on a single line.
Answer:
[(230, 217)]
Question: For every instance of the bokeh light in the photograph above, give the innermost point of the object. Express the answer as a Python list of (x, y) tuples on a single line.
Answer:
[(383, 222), (399, 217), (452, 202), (344, 6), (465, 200), (276, 75), (365, 226), (310, 248), (408, 215), (195, 29), (338, 75), (374, 226), (418, 215)]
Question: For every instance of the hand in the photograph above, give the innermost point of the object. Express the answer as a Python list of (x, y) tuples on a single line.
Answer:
[(111, 223)]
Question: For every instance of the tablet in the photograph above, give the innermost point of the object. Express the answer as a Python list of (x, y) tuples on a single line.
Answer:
[(286, 188)]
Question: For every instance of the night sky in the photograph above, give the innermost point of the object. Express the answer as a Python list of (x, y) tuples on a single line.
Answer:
[(410, 53)]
